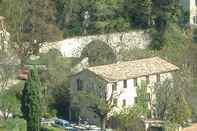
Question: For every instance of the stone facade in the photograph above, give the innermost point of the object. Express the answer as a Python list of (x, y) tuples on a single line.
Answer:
[(72, 47)]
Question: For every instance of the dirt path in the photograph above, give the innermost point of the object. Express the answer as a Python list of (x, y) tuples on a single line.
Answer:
[(191, 128)]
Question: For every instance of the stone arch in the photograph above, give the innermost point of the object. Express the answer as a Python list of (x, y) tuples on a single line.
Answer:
[(99, 53)]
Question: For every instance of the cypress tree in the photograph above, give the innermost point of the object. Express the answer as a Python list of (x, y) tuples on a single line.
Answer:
[(30, 102)]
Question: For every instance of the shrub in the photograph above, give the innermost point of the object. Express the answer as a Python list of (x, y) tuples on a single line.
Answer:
[(13, 125), (99, 53), (195, 35), (46, 128)]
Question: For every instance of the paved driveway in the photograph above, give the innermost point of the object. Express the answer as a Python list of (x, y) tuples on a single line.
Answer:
[(192, 128)]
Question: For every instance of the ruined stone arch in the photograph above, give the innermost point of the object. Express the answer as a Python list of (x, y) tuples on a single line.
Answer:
[(99, 53)]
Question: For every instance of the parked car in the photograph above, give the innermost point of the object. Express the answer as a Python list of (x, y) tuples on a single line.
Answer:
[(63, 124)]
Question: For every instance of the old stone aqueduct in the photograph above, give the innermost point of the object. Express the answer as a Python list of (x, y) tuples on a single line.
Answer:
[(72, 47)]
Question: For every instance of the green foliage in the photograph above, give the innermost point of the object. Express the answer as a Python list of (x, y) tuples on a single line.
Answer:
[(8, 104), (139, 12), (195, 35), (142, 99), (56, 81), (13, 125), (31, 102), (99, 53), (169, 126), (109, 16), (45, 21), (45, 128), (129, 118), (171, 104), (165, 12), (30, 22), (172, 37)]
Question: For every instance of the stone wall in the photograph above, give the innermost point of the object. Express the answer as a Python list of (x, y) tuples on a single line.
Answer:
[(72, 47)]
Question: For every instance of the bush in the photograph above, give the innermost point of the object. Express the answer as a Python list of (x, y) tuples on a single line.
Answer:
[(46, 128), (99, 53), (195, 35), (169, 126), (13, 125)]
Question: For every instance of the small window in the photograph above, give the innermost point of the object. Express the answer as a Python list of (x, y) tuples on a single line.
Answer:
[(135, 82), (125, 83), (115, 102), (124, 103), (114, 86), (158, 77), (79, 84), (147, 80)]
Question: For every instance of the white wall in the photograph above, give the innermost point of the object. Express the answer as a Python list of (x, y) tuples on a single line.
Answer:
[(91, 83), (72, 47), (190, 6), (192, 9), (129, 93), (122, 93)]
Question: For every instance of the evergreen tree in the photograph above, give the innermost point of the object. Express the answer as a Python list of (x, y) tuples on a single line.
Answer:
[(30, 102), (165, 12), (139, 12)]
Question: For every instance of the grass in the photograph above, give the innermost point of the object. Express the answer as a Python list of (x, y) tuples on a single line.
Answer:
[(13, 125)]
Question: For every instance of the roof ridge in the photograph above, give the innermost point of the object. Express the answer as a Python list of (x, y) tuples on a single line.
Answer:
[(137, 60)]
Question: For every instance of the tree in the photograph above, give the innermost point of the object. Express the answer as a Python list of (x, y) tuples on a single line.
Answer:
[(171, 104), (109, 16), (95, 102), (195, 35), (31, 23), (8, 104), (99, 53), (55, 79), (165, 12), (7, 58), (102, 107), (139, 12), (130, 119), (30, 101)]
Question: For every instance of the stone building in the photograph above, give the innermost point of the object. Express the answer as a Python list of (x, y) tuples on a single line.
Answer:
[(123, 79), (190, 6)]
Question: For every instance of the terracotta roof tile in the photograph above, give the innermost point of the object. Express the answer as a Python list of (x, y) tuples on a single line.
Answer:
[(133, 69)]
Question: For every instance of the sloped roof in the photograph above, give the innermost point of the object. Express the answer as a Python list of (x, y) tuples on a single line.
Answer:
[(133, 69)]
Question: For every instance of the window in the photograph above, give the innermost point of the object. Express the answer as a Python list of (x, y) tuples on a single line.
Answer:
[(135, 82), (79, 84), (125, 83), (115, 102), (114, 86), (147, 80), (158, 77), (124, 103)]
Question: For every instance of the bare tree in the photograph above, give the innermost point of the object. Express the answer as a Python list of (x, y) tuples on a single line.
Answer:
[(7, 58)]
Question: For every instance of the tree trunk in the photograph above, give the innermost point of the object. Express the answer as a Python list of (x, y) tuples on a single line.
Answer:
[(103, 124)]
